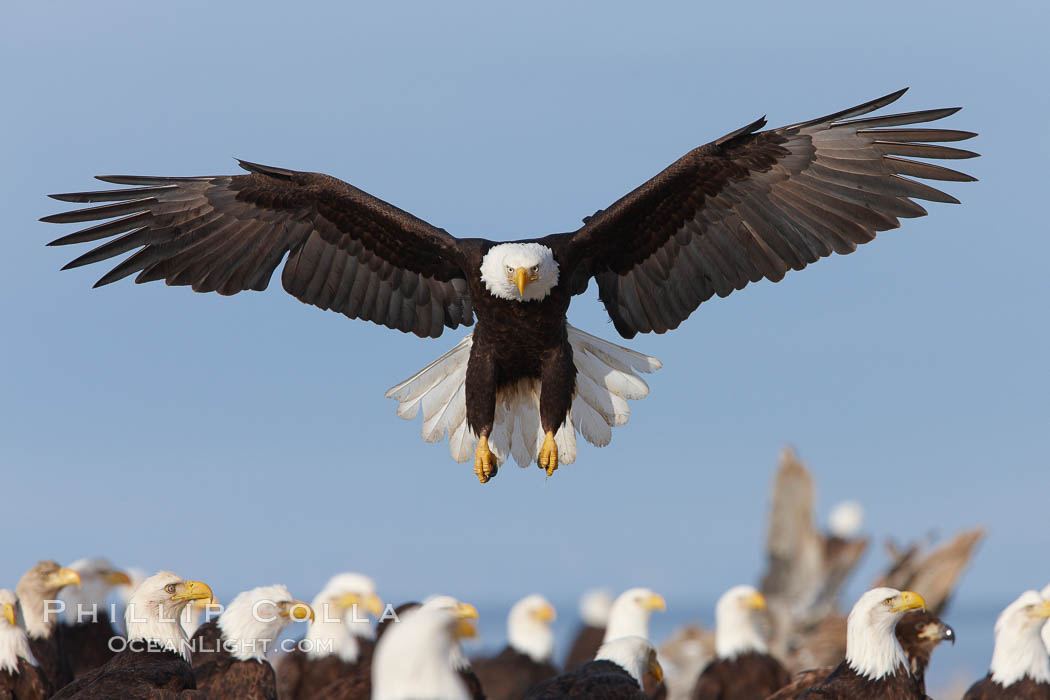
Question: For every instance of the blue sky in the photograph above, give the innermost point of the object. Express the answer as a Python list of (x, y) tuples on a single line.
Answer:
[(246, 440)]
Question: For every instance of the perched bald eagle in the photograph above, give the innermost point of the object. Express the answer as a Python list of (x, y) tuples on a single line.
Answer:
[(86, 628), (875, 664), (358, 686), (919, 632), (338, 642), (629, 617), (527, 658), (229, 652), (616, 673), (1020, 667), (412, 659), (749, 206), (20, 678), (37, 593), (154, 664), (743, 669)]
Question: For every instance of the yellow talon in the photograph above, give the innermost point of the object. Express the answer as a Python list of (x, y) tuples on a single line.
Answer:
[(484, 461), (548, 458)]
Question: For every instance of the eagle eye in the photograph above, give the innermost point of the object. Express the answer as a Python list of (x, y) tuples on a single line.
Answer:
[(535, 268), (170, 588), (888, 602)]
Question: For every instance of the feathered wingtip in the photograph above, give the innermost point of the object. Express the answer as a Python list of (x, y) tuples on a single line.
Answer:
[(270, 170)]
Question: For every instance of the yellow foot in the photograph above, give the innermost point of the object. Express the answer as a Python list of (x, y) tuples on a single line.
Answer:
[(485, 466), (548, 458)]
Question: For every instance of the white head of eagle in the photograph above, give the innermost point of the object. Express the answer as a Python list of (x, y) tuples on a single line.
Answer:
[(519, 271)]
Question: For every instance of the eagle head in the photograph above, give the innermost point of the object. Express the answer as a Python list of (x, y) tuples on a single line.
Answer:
[(519, 271)]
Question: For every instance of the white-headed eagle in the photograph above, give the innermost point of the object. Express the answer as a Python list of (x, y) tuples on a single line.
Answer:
[(749, 206)]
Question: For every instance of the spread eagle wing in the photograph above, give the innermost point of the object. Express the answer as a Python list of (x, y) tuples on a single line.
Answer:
[(346, 250), (755, 204)]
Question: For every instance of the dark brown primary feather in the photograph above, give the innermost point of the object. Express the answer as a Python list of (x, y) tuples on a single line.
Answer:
[(510, 674), (754, 205), (597, 680), (348, 251), (220, 675), (750, 676), (27, 683), (1024, 689), (136, 675)]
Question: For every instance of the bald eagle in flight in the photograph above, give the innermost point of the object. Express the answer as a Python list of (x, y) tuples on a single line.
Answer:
[(748, 206)]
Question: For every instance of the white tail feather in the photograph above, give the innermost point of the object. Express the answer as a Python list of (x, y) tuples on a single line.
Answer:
[(605, 379)]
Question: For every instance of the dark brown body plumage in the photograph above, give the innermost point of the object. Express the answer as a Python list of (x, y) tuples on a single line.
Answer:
[(51, 657), (750, 676), (1024, 689), (220, 675), (510, 674), (301, 678), (87, 644), (27, 683), (846, 684), (595, 680), (585, 646), (145, 674)]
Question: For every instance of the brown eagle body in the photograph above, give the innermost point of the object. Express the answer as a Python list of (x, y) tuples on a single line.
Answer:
[(136, 673), (749, 206), (510, 674), (299, 677), (87, 644), (27, 683), (750, 676), (596, 680), (1024, 689), (220, 675), (585, 646), (846, 684), (51, 658)]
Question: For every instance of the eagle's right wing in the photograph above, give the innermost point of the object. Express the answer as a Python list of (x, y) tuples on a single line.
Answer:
[(347, 250)]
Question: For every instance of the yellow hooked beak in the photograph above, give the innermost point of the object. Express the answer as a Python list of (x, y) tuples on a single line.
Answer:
[(521, 278), (908, 600), (545, 614), (371, 602), (655, 602), (9, 613), (755, 601), (62, 578), (1042, 610), (117, 578), (297, 610), (655, 669), (466, 611), (192, 590), (465, 629)]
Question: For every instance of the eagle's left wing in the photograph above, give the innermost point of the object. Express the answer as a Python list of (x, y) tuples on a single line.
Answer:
[(345, 250), (753, 205)]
